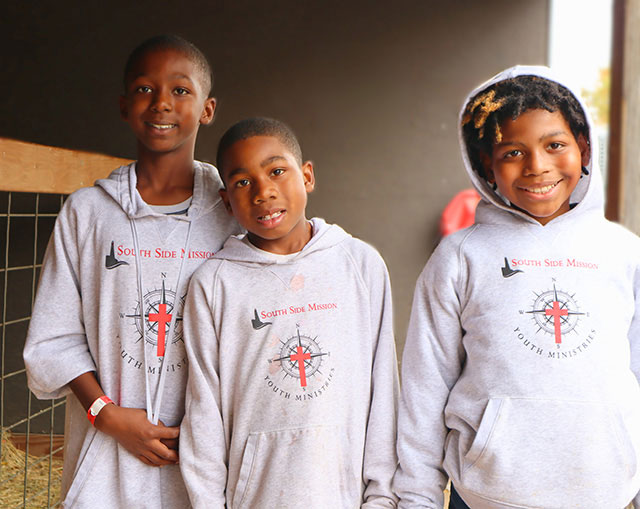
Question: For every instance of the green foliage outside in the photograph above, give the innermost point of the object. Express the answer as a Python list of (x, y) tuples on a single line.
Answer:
[(598, 98)]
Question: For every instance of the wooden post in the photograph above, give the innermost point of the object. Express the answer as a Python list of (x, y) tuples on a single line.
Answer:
[(614, 176), (32, 168), (623, 193)]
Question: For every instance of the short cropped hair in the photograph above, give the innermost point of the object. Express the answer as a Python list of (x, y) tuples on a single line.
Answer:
[(259, 126), (176, 43), (508, 99)]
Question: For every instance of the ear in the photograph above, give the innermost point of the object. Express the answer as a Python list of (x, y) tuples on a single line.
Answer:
[(225, 199), (308, 176), (124, 113), (486, 165), (585, 149), (208, 112)]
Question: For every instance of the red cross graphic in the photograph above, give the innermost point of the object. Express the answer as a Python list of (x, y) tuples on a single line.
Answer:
[(300, 357), (556, 312), (163, 318)]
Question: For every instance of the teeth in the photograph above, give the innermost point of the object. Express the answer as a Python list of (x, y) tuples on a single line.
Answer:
[(272, 216), (541, 190), (162, 126)]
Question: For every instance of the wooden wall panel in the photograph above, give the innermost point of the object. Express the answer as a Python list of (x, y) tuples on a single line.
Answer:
[(28, 167)]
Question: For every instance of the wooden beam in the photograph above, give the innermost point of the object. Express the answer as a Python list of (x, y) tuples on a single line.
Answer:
[(623, 194), (614, 170), (29, 167), (39, 444), (630, 149)]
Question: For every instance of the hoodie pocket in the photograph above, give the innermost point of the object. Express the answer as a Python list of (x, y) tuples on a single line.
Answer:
[(536, 452), (302, 467)]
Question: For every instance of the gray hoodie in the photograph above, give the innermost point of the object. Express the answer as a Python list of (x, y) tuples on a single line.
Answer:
[(291, 400), (518, 370), (87, 317)]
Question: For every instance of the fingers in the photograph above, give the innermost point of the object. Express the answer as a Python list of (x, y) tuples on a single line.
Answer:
[(155, 453), (168, 437), (152, 449), (161, 452), (146, 441), (171, 443), (158, 455), (171, 432), (168, 456), (153, 460), (146, 461)]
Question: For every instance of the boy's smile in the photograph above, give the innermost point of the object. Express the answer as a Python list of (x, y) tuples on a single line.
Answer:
[(538, 163), (266, 190), (165, 103)]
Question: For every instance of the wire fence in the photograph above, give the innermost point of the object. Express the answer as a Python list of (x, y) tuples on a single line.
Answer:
[(31, 431)]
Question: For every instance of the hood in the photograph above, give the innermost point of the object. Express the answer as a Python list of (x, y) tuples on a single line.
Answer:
[(588, 196), (121, 186), (325, 236)]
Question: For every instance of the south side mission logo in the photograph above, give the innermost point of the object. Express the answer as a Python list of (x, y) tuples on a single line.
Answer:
[(152, 322), (556, 316), (299, 362)]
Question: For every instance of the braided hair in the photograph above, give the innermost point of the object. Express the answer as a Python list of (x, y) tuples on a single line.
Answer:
[(508, 99)]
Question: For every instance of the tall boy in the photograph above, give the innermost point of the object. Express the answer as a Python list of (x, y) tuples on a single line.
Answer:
[(117, 267), (291, 400), (518, 379)]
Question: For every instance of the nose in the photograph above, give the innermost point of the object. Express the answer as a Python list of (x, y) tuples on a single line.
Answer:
[(264, 190), (536, 163), (161, 101)]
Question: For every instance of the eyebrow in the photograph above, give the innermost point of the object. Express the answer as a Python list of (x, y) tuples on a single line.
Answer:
[(173, 76), (182, 76), (271, 159), (239, 169), (543, 137), (263, 164), (554, 133)]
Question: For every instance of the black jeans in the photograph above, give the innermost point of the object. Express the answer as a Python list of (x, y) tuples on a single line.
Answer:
[(455, 501)]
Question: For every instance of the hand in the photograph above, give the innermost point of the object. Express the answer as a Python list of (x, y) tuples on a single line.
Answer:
[(155, 445), (171, 443)]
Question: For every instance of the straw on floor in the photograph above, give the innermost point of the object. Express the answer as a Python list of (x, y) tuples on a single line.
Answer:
[(42, 488)]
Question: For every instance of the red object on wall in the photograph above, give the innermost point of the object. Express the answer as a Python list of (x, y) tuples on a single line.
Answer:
[(460, 212)]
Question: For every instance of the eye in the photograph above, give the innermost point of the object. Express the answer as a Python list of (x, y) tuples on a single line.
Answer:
[(181, 91), (512, 154), (242, 183), (143, 89), (555, 145), (277, 171)]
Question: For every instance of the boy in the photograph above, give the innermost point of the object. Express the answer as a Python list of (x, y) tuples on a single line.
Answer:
[(291, 399), (517, 371), (117, 267)]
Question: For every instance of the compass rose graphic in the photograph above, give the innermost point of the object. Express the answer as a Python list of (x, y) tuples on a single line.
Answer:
[(556, 312), (158, 308), (300, 357)]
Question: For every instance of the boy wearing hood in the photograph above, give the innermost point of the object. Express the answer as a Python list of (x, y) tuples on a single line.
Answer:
[(518, 370), (106, 324), (291, 399)]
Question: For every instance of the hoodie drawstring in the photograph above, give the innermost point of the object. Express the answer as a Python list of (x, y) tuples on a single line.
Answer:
[(153, 410), (134, 234), (172, 327)]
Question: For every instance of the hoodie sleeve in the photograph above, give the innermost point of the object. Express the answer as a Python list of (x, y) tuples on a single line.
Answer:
[(380, 459), (431, 364), (634, 342), (203, 450), (56, 350), (634, 328)]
